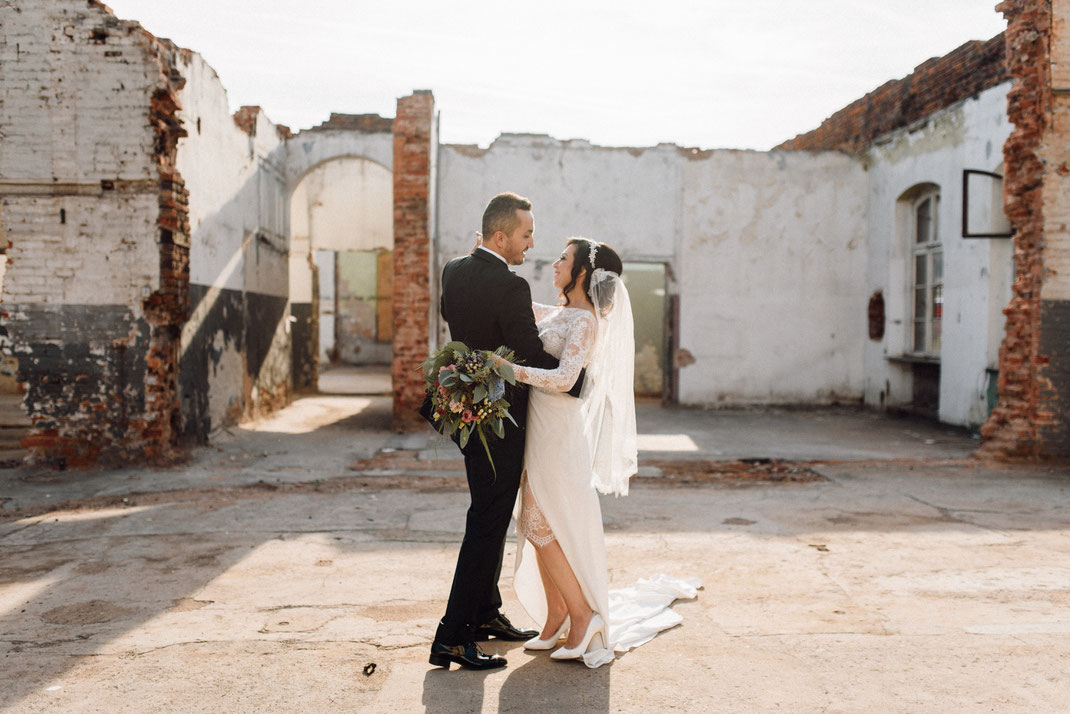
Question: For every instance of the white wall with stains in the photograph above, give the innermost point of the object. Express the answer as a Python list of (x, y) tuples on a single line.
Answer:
[(765, 250), (771, 278), (977, 272)]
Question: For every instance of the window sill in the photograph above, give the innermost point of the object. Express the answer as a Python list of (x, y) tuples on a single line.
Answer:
[(912, 359)]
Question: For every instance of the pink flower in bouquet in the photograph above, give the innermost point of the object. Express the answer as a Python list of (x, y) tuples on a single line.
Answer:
[(467, 416), (456, 407)]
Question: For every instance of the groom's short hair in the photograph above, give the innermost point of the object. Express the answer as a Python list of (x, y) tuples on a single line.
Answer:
[(500, 213)]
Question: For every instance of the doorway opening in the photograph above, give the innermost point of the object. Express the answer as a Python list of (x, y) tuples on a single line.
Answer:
[(342, 270), (648, 287)]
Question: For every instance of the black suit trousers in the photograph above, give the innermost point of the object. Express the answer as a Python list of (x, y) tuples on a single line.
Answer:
[(474, 597)]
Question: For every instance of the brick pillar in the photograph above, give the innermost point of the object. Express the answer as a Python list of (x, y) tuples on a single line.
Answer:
[(1032, 418), (413, 146)]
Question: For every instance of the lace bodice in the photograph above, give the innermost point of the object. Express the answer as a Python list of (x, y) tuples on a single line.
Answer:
[(568, 334)]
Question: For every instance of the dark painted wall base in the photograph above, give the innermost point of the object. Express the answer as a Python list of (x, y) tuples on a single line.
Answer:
[(84, 366), (238, 321), (305, 335), (1055, 397)]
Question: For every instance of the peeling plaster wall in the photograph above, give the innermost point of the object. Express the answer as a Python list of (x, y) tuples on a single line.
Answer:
[(977, 272), (94, 217), (767, 250), (236, 345)]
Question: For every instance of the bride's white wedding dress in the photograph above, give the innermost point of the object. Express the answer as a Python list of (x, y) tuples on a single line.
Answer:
[(558, 499)]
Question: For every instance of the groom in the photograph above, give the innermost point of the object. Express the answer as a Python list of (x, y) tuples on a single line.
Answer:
[(486, 306)]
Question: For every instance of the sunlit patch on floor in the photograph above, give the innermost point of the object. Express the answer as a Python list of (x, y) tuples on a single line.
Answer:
[(311, 413), (666, 442)]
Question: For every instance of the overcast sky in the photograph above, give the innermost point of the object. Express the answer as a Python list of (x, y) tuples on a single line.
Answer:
[(706, 73)]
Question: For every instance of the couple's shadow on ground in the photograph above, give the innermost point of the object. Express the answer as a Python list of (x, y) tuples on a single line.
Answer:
[(533, 682)]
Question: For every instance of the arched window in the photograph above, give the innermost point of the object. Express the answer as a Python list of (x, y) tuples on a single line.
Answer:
[(928, 274)]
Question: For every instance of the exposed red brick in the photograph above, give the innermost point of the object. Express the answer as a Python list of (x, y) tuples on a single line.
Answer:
[(935, 84), (1012, 428), (245, 119), (412, 249), (364, 123), (156, 430)]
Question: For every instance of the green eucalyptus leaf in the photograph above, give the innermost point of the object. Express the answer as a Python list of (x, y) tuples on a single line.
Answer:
[(486, 448)]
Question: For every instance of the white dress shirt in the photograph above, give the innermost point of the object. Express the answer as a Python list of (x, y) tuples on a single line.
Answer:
[(494, 254)]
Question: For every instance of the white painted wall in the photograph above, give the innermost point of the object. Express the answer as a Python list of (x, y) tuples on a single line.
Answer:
[(300, 247), (236, 187), (977, 272), (311, 148), (346, 204), (767, 250), (73, 114), (771, 278), (239, 221)]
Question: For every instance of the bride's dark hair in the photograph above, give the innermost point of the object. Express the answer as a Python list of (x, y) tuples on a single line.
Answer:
[(604, 257)]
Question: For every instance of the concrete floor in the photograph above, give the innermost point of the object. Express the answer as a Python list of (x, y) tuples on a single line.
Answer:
[(267, 575)]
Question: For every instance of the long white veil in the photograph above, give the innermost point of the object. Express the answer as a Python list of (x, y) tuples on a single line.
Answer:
[(608, 394)]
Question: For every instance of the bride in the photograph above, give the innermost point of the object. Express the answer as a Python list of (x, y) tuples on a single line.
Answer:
[(574, 447)]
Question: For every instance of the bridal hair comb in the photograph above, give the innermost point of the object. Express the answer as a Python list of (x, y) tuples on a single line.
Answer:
[(591, 253)]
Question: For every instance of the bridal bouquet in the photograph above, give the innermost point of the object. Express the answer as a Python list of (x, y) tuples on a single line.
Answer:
[(467, 392)]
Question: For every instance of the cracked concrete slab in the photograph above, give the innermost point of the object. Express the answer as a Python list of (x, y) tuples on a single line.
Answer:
[(884, 588), (301, 563)]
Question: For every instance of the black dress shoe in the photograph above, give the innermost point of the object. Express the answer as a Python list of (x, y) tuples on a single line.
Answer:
[(501, 628), (467, 655)]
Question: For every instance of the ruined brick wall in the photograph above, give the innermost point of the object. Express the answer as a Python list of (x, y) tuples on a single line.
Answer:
[(414, 142), (1032, 418), (935, 84), (95, 219)]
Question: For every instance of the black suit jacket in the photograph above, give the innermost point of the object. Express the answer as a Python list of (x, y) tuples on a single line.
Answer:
[(486, 306)]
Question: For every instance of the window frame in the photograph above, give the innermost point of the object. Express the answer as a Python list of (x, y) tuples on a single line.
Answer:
[(928, 255)]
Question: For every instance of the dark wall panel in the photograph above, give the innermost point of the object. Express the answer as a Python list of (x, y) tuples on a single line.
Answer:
[(1055, 396), (305, 358), (78, 360)]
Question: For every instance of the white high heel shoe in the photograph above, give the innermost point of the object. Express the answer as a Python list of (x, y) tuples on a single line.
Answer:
[(596, 626), (550, 642)]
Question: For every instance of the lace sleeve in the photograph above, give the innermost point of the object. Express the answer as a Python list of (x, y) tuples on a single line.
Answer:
[(541, 311), (578, 345)]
